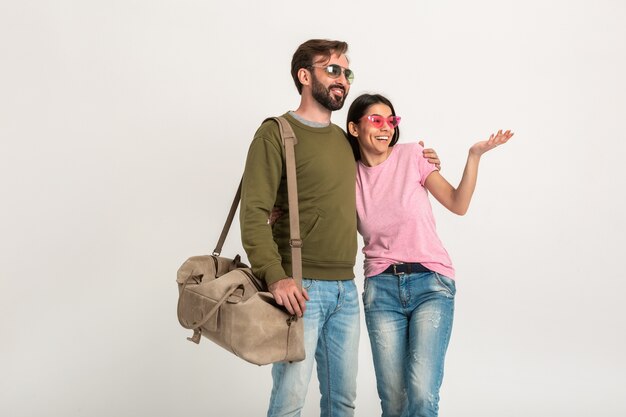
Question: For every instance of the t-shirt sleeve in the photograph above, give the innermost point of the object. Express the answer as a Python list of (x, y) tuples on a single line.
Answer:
[(424, 167)]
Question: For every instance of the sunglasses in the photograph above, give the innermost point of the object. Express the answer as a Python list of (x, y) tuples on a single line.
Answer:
[(378, 121), (334, 71)]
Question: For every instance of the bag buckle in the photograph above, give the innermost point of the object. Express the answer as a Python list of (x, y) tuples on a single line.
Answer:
[(295, 243)]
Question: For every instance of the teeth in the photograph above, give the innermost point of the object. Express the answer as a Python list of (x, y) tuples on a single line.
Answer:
[(382, 137)]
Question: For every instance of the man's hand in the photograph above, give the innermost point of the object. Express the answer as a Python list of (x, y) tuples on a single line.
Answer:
[(275, 214), (431, 155), (288, 294)]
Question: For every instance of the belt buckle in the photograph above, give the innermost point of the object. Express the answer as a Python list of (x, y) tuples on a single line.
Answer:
[(395, 272)]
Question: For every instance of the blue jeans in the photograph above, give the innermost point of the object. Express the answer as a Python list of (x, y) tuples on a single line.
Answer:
[(331, 338), (409, 321)]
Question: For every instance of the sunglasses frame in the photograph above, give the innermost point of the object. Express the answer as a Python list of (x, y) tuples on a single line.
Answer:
[(332, 73), (382, 120)]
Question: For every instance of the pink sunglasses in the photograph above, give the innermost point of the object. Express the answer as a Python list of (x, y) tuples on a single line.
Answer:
[(378, 121)]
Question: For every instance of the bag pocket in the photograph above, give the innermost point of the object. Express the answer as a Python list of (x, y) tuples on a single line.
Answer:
[(263, 331), (193, 306)]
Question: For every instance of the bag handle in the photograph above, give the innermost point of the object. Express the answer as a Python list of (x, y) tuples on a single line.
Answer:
[(289, 141)]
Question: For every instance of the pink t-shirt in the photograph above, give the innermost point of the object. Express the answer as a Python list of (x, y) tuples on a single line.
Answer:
[(395, 217)]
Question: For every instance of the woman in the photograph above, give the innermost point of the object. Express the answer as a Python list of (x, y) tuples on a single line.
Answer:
[(409, 287)]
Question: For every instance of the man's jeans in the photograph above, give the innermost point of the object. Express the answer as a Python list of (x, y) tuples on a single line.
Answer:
[(409, 321), (331, 338)]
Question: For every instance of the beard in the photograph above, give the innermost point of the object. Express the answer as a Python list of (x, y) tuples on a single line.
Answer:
[(323, 95)]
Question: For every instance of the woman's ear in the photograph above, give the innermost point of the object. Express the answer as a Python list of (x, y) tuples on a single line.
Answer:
[(352, 129)]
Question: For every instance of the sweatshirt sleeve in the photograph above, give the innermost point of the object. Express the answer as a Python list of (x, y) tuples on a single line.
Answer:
[(261, 180)]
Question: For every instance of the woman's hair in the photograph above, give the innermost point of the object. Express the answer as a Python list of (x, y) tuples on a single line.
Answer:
[(357, 110), (309, 50)]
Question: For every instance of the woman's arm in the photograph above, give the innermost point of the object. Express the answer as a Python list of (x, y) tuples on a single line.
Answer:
[(457, 200)]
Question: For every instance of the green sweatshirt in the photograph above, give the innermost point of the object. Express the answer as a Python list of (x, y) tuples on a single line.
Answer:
[(326, 196)]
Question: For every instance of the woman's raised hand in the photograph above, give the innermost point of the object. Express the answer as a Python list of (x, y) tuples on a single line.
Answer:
[(494, 140)]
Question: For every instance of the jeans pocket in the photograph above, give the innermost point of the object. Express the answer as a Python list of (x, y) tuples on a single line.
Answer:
[(307, 283), (364, 294), (446, 283)]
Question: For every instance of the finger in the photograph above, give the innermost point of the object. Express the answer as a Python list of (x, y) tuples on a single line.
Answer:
[(303, 306), (421, 143), (505, 137), (295, 304), (279, 299), (301, 300), (289, 305)]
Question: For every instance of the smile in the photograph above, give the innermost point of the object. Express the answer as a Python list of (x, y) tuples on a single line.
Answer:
[(337, 91)]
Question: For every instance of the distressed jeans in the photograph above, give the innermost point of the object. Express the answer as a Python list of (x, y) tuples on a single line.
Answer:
[(331, 339), (409, 321)]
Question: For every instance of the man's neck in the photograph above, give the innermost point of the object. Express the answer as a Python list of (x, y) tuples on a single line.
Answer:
[(307, 122), (310, 109)]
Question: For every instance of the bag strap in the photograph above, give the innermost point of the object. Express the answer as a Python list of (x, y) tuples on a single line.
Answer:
[(229, 221), (289, 141)]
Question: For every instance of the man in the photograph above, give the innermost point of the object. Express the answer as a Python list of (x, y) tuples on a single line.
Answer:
[(325, 168), (326, 187)]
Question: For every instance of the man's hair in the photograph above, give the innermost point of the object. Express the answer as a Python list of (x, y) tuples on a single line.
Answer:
[(357, 110), (309, 50)]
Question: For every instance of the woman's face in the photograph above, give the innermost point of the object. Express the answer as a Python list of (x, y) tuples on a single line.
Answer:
[(373, 140)]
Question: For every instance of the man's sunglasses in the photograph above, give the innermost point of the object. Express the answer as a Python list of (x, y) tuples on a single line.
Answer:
[(378, 121), (334, 71)]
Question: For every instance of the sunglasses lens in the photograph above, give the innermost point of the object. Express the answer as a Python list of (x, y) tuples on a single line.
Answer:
[(349, 75), (394, 121), (377, 121), (333, 70)]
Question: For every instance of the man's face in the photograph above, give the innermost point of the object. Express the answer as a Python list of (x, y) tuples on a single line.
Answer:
[(329, 92)]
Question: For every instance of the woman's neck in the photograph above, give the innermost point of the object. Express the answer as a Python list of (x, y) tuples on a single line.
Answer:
[(373, 159)]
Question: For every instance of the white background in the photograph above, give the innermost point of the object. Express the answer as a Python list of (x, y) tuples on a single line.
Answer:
[(123, 132)]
